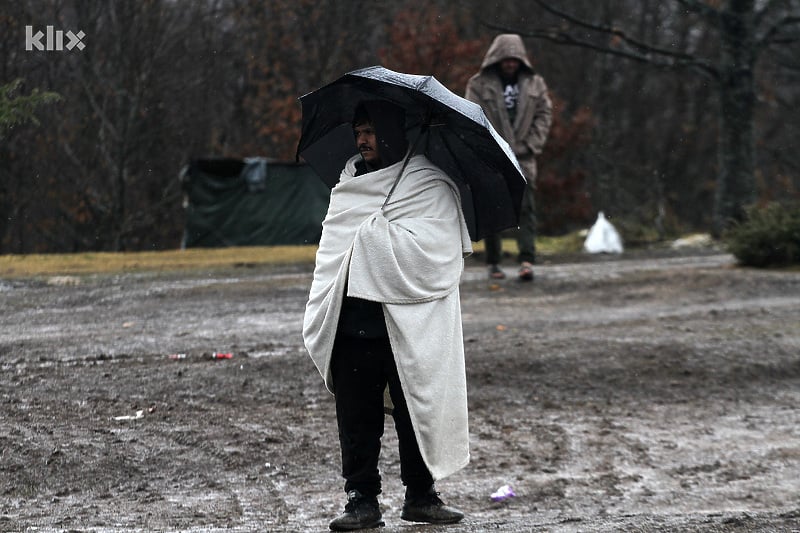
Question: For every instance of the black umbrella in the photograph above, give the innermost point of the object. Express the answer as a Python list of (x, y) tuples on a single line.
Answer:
[(455, 134)]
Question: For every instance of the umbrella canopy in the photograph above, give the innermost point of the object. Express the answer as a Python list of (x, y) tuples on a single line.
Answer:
[(453, 132)]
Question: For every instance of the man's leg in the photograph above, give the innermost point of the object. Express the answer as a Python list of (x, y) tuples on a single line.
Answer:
[(526, 235), (358, 388), (422, 502), (494, 255), (413, 471), (494, 249)]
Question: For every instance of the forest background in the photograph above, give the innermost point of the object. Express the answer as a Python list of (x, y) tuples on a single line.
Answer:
[(656, 103)]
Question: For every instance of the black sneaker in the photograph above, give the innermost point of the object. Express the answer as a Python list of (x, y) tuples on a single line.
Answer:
[(428, 507), (361, 512)]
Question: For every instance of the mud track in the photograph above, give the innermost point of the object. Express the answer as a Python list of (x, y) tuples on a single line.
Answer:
[(614, 394)]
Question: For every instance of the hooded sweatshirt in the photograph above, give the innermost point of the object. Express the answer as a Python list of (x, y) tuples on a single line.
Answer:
[(525, 129)]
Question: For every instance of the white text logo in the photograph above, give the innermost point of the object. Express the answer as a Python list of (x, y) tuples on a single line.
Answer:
[(54, 40)]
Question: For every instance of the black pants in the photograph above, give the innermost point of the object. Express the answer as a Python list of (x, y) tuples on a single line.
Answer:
[(361, 370)]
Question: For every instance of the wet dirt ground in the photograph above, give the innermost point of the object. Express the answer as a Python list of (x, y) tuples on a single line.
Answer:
[(632, 393)]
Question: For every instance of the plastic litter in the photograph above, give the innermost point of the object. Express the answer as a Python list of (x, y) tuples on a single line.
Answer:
[(503, 493), (603, 237), (221, 355), (177, 356), (139, 414), (696, 240)]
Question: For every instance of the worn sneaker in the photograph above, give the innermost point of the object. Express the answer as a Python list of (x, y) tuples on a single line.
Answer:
[(360, 512), (428, 507), (526, 271), (495, 272)]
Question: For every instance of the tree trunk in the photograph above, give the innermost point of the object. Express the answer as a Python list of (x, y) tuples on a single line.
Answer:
[(735, 188)]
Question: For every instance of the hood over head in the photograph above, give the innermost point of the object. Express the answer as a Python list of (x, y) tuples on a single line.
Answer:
[(389, 121), (504, 46)]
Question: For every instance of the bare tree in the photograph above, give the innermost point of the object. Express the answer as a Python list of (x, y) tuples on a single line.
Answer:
[(743, 30), (164, 81)]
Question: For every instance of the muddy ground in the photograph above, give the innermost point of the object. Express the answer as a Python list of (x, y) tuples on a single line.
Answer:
[(632, 393)]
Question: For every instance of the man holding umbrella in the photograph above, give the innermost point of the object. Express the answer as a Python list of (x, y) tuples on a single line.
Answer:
[(383, 319)]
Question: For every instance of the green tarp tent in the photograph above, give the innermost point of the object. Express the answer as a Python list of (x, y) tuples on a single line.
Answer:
[(252, 202)]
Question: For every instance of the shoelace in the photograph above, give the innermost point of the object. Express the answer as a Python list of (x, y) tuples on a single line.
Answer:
[(429, 498), (434, 499), (353, 500)]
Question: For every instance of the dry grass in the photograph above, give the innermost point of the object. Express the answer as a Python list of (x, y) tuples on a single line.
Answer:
[(109, 262), (18, 266)]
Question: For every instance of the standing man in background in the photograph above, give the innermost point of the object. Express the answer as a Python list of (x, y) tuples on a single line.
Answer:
[(516, 102)]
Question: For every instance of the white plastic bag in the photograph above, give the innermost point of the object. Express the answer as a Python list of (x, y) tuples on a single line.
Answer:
[(603, 237)]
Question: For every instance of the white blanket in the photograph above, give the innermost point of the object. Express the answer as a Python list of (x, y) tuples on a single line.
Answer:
[(409, 257)]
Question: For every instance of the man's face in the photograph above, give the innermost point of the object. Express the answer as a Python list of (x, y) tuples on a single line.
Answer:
[(367, 143), (509, 66)]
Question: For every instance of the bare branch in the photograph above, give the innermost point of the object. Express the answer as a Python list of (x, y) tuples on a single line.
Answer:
[(616, 32), (98, 109), (787, 39), (643, 50), (566, 16), (701, 8), (787, 61), (772, 35), (764, 11), (644, 53)]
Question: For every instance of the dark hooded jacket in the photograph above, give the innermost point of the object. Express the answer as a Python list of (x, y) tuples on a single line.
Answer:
[(528, 132)]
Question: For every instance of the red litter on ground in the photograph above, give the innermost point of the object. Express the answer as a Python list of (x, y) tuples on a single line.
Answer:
[(222, 355), (177, 356)]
